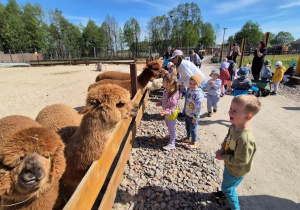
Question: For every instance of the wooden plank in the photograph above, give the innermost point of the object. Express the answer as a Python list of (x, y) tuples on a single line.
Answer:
[(221, 52), (114, 183), (91, 184)]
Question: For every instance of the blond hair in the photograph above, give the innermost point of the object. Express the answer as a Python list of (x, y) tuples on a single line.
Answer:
[(172, 79), (250, 103)]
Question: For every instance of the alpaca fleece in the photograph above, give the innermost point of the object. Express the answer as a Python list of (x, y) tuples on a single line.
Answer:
[(31, 164), (106, 105)]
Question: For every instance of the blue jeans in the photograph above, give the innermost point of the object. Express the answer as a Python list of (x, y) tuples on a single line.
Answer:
[(228, 188), (191, 128)]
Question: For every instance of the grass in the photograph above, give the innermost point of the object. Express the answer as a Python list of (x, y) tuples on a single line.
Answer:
[(285, 59)]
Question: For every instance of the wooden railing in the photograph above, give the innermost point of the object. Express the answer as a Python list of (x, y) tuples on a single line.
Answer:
[(117, 150)]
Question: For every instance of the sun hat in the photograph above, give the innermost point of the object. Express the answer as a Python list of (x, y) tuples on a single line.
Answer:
[(278, 63), (243, 71), (267, 61), (293, 64), (215, 71), (176, 52), (197, 78)]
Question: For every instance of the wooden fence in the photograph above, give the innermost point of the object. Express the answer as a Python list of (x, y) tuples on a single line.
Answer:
[(113, 160)]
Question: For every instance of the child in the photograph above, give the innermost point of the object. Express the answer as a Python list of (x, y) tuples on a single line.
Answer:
[(238, 147), (224, 75), (172, 68), (213, 91), (242, 84), (278, 75), (266, 73), (232, 72), (195, 98), (169, 104), (289, 72)]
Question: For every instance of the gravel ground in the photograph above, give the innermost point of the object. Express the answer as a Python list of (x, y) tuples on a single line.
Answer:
[(159, 179)]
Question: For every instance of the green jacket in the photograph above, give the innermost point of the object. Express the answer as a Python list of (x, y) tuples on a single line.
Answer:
[(239, 149)]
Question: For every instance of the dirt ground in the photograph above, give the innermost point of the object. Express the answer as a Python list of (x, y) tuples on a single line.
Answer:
[(273, 182)]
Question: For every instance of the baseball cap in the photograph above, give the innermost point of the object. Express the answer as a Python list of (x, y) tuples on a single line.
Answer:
[(293, 64), (278, 63), (176, 52)]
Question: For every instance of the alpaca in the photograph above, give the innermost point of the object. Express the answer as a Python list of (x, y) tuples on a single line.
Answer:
[(31, 164), (106, 105), (155, 66), (14, 123), (142, 80)]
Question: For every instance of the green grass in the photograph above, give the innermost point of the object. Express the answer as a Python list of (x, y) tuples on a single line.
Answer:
[(285, 59)]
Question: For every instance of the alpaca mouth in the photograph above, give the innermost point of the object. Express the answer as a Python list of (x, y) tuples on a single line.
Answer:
[(29, 183)]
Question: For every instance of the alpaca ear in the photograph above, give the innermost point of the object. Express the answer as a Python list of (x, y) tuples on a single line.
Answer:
[(85, 109)]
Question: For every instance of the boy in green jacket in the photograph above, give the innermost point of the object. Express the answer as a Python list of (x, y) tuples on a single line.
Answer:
[(238, 148)]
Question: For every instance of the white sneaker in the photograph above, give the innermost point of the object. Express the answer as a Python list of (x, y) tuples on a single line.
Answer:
[(169, 147)]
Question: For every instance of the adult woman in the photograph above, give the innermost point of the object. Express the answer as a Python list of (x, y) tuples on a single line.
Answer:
[(234, 52), (258, 60), (185, 69)]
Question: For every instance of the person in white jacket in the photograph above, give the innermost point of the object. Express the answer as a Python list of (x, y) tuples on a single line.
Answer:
[(185, 69)]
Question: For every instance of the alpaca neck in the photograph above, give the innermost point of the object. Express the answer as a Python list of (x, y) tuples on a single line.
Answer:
[(145, 77), (88, 142)]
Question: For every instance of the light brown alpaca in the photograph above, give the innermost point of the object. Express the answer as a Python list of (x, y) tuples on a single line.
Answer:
[(106, 105), (142, 80), (155, 66), (31, 164)]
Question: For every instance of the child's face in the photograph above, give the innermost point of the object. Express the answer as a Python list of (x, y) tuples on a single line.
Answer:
[(214, 76), (193, 84), (167, 85), (277, 67), (237, 114)]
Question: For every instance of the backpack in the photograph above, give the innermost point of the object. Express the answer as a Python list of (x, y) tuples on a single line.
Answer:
[(200, 55)]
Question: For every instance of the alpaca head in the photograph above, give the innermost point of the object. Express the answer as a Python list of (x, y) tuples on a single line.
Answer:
[(109, 103), (31, 161)]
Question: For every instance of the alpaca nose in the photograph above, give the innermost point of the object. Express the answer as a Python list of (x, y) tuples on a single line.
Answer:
[(32, 170)]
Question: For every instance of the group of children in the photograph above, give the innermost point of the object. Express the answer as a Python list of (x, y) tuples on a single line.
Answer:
[(239, 146)]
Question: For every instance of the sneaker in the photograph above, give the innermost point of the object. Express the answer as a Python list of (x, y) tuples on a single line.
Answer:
[(169, 147), (273, 93), (192, 145), (215, 110), (185, 140), (222, 94), (209, 114), (181, 115), (218, 194)]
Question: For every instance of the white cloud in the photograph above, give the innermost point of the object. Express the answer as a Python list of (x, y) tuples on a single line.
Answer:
[(287, 26), (227, 6), (292, 4)]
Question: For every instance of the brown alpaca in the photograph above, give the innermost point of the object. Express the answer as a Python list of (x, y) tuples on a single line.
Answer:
[(106, 105), (155, 66), (31, 164), (142, 80)]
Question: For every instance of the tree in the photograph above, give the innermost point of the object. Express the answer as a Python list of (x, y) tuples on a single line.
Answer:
[(13, 27), (34, 34), (2, 25), (207, 35), (132, 32), (91, 37), (252, 32), (283, 38)]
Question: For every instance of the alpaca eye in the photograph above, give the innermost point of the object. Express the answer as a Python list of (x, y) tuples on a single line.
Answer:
[(120, 104)]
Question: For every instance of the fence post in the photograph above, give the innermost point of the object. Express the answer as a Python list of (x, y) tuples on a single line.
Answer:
[(266, 38), (10, 56), (221, 52), (242, 52), (297, 74), (133, 77)]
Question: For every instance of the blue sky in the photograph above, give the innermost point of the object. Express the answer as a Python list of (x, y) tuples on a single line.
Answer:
[(271, 15)]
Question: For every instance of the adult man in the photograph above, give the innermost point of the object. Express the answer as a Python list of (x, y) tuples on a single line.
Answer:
[(194, 58)]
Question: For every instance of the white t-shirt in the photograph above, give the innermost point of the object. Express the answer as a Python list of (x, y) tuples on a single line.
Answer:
[(186, 69)]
